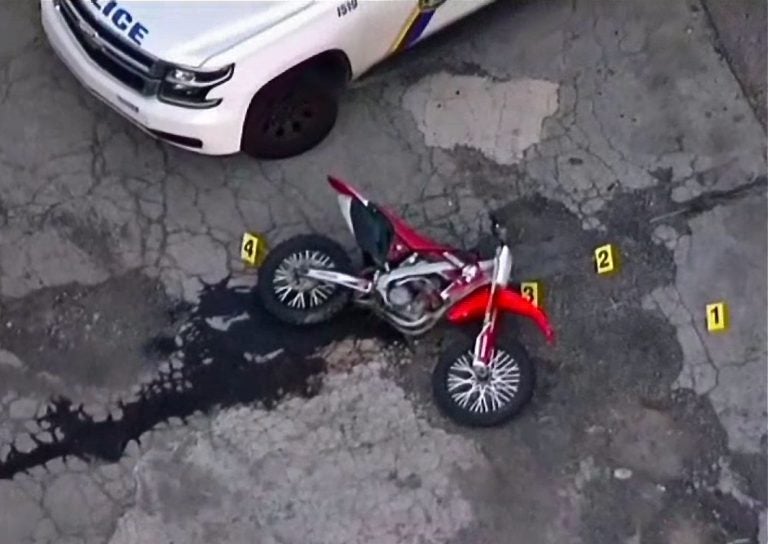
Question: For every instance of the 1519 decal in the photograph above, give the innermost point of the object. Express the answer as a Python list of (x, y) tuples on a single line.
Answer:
[(346, 7)]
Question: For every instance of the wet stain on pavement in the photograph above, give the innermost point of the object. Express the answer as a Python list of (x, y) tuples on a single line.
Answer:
[(227, 352)]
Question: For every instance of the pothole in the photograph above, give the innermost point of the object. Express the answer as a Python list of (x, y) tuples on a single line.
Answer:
[(78, 338)]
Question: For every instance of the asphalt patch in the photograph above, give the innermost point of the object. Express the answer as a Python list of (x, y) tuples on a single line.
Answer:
[(227, 352)]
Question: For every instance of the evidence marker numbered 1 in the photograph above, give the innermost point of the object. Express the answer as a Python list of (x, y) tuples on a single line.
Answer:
[(606, 259), (717, 317), (533, 291), (253, 249)]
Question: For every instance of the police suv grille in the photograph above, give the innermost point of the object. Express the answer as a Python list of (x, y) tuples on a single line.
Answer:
[(121, 60)]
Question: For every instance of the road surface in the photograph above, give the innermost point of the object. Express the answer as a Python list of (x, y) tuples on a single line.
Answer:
[(137, 406)]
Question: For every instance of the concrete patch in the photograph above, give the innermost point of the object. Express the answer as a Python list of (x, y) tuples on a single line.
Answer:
[(23, 408), (723, 259), (649, 441), (9, 359), (686, 531), (501, 119), (268, 475), (43, 259), (77, 505), (20, 513), (87, 336), (740, 26)]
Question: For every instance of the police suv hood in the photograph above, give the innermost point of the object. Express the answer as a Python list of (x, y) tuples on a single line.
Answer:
[(189, 32)]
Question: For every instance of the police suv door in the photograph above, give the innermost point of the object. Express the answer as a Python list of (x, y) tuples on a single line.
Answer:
[(386, 27)]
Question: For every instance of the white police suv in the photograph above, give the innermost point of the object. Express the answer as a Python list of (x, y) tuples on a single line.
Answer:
[(218, 76)]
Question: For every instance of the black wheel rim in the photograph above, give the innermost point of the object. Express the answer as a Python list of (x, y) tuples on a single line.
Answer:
[(293, 118)]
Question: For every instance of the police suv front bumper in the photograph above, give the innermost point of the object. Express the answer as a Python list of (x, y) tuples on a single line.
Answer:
[(111, 75)]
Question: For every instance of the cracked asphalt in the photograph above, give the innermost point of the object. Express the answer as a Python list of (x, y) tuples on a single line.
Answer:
[(146, 398)]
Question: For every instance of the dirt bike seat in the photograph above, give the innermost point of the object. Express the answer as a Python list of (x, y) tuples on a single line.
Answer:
[(374, 232)]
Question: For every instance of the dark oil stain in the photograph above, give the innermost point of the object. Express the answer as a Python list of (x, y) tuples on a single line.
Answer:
[(218, 368)]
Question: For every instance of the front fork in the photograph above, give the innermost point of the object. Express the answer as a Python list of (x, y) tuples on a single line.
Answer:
[(485, 341)]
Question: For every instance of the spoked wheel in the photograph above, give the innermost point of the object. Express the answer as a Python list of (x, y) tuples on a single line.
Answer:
[(292, 297), (483, 400)]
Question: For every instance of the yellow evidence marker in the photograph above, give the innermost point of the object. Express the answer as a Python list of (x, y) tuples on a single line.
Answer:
[(253, 249), (717, 317), (606, 259), (532, 291)]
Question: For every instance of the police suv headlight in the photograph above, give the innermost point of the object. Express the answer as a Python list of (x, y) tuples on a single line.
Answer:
[(189, 87)]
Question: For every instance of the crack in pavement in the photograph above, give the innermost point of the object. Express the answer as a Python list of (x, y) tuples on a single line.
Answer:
[(713, 198)]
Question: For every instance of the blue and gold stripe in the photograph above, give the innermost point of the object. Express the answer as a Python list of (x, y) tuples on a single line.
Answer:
[(414, 27)]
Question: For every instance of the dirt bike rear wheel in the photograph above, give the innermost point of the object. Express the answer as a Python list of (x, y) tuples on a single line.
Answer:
[(303, 301), (474, 402)]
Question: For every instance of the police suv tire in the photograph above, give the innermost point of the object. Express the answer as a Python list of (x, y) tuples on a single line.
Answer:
[(291, 115), (465, 417), (336, 301)]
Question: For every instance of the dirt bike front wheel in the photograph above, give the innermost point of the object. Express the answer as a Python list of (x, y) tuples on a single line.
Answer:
[(293, 298), (483, 401)]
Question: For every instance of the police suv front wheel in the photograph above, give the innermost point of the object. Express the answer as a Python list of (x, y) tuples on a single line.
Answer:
[(290, 115)]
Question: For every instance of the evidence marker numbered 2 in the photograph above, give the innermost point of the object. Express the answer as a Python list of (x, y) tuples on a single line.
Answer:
[(606, 258)]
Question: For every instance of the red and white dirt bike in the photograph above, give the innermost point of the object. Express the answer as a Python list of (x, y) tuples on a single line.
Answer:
[(412, 282)]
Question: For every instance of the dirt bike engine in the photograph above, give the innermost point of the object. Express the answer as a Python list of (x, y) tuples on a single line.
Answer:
[(410, 297)]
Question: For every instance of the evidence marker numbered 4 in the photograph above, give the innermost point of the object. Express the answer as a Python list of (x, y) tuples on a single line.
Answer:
[(253, 249)]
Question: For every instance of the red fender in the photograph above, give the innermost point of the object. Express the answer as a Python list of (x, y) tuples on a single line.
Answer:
[(508, 300)]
